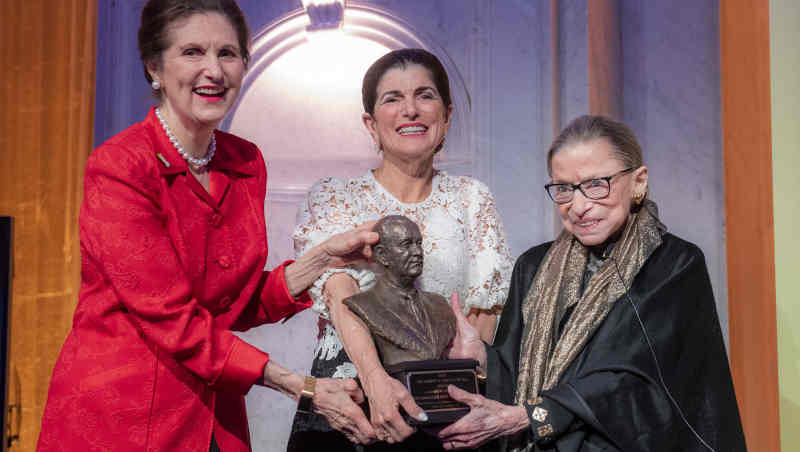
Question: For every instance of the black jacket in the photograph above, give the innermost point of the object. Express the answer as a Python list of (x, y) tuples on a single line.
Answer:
[(611, 397)]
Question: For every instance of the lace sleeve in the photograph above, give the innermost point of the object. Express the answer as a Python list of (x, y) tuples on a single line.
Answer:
[(327, 210), (490, 259)]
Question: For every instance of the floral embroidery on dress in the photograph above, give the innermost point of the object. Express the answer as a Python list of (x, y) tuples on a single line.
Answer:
[(463, 239)]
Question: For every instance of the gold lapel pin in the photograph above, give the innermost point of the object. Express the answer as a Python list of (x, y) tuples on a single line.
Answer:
[(163, 160)]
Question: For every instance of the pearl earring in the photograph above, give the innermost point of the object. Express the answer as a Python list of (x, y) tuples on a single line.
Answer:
[(156, 85)]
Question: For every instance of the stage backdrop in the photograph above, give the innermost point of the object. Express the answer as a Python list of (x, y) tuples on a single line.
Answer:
[(519, 70)]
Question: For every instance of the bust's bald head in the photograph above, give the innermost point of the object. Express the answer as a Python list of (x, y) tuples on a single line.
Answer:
[(384, 226), (399, 249)]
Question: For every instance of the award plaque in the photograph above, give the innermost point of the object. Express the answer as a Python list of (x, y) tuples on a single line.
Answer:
[(412, 329), (427, 382)]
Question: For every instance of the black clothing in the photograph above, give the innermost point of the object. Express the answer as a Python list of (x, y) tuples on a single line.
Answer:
[(611, 396)]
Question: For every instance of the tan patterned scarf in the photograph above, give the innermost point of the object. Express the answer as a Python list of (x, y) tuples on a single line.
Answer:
[(556, 287)]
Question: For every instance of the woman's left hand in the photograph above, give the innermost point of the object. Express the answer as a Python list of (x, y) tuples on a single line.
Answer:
[(467, 343), (485, 421)]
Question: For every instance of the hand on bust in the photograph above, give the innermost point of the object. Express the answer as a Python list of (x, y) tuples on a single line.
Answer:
[(386, 395), (485, 421), (352, 246), (467, 343), (337, 399), (342, 249)]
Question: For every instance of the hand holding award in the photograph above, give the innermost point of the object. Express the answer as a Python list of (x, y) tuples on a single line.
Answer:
[(412, 329)]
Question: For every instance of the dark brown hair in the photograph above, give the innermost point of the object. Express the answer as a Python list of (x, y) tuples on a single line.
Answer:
[(159, 15), (403, 58), (586, 128)]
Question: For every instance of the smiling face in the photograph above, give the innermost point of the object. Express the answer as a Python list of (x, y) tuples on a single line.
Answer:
[(593, 221), (410, 119), (200, 72)]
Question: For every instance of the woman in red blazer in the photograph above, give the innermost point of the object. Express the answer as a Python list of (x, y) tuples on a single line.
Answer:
[(173, 246)]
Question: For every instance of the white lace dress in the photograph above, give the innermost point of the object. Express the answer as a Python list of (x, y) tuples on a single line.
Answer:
[(462, 238), (463, 241)]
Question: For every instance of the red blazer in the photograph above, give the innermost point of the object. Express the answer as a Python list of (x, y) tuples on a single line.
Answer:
[(168, 270)]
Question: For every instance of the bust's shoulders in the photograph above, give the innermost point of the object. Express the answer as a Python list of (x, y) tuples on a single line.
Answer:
[(434, 300), (439, 308), (366, 302)]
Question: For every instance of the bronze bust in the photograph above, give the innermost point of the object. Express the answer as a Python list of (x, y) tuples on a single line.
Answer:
[(406, 324)]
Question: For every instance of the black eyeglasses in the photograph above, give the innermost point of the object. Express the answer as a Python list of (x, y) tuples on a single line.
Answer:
[(598, 188)]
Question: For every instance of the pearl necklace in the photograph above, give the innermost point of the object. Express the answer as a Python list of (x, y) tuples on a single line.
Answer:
[(197, 163)]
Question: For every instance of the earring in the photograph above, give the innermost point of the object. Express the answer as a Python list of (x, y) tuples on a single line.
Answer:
[(378, 147), (638, 198), (156, 85)]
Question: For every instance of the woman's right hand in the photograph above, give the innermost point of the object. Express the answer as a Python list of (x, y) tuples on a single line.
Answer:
[(386, 395), (486, 420), (339, 250), (338, 400)]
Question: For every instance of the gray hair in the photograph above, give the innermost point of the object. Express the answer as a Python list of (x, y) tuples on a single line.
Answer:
[(587, 128)]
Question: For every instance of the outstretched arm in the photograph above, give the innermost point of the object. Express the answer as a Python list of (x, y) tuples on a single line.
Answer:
[(338, 251)]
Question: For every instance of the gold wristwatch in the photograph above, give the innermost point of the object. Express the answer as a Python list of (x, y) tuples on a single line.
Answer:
[(306, 395)]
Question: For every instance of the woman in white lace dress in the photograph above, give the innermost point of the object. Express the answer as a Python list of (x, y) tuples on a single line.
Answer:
[(407, 105)]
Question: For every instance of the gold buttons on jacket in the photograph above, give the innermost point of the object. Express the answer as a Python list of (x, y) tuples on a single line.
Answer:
[(544, 430)]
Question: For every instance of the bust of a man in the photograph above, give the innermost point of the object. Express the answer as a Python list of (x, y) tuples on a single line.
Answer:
[(407, 324)]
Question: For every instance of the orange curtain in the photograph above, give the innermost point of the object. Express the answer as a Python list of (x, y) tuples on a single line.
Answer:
[(48, 52), (747, 151)]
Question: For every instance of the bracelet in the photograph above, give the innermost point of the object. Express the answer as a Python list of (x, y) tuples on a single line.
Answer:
[(364, 278), (304, 403)]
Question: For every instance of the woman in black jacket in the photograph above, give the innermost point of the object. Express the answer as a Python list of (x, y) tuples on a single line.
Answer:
[(609, 339)]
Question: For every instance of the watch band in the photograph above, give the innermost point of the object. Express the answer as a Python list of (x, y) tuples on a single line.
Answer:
[(307, 395)]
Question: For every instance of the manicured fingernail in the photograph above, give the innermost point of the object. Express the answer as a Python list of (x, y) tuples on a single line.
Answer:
[(422, 417)]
